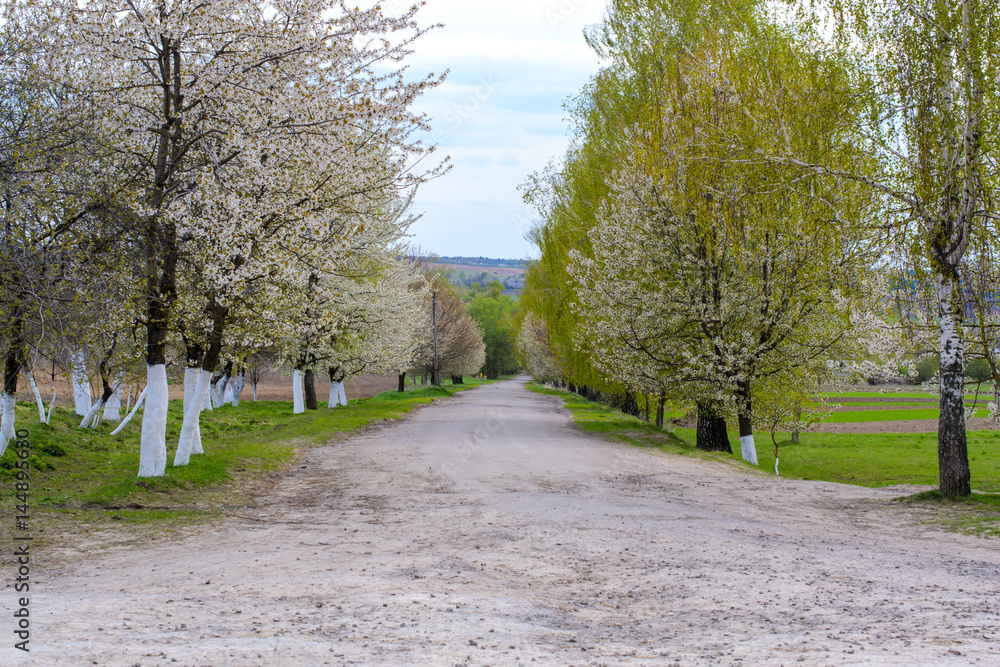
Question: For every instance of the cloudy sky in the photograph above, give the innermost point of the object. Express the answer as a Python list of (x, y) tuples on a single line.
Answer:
[(500, 114)]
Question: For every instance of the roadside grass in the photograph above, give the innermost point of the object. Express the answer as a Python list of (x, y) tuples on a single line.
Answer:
[(873, 460), (610, 423), (88, 477)]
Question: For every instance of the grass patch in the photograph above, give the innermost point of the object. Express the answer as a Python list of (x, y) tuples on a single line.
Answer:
[(88, 477), (978, 514), (610, 423)]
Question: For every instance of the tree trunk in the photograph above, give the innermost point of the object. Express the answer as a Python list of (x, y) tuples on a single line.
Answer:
[(402, 382), (659, 410), (748, 450), (630, 405), (135, 408), (112, 407), (239, 381), (190, 439), (38, 397), (455, 379), (953, 457), (645, 399), (711, 435), (309, 381), (153, 440), (81, 385), (795, 431), (298, 406), (160, 253)]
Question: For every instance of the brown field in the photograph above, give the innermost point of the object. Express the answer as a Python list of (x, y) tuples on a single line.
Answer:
[(273, 386), (490, 270)]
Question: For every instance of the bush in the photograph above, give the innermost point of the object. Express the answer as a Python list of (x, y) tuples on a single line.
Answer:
[(978, 370), (928, 368)]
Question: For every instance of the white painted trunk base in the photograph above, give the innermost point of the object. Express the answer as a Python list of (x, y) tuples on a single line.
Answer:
[(227, 396), (299, 405), (748, 449), (7, 416), (81, 385), (190, 440), (238, 383), (153, 442), (191, 376), (93, 418), (338, 396), (112, 409), (42, 418), (135, 408)]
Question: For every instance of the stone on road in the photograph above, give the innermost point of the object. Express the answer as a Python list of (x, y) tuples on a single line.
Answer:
[(486, 530)]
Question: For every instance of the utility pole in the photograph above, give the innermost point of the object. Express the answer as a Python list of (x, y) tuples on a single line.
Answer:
[(436, 374)]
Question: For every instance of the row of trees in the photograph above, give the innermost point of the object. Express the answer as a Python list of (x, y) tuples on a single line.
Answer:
[(743, 188), (194, 182)]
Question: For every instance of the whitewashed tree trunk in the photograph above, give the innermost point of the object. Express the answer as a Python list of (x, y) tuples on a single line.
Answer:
[(81, 385), (93, 418), (112, 409), (7, 416), (38, 397), (215, 393), (341, 393), (52, 404), (238, 383), (191, 376), (748, 449), (153, 442), (190, 440), (334, 396), (299, 405), (254, 393), (227, 396), (135, 408), (207, 403)]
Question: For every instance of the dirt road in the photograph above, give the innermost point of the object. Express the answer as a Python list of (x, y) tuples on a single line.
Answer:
[(485, 530)]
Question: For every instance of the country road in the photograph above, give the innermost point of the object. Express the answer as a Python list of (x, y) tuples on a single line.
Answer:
[(486, 530)]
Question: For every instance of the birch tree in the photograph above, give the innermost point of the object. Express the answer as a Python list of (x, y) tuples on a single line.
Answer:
[(927, 71)]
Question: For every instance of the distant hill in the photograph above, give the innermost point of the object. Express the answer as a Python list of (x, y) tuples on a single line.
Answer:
[(468, 270), (485, 261)]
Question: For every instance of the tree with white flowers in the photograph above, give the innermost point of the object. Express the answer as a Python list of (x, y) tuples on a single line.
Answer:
[(243, 126)]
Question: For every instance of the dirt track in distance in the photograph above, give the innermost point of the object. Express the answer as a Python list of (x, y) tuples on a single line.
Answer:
[(486, 530)]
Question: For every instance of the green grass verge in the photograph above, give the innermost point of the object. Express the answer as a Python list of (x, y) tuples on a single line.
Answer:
[(610, 423), (872, 460), (89, 476)]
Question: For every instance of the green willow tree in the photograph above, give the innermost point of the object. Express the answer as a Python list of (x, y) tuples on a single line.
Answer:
[(699, 268)]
